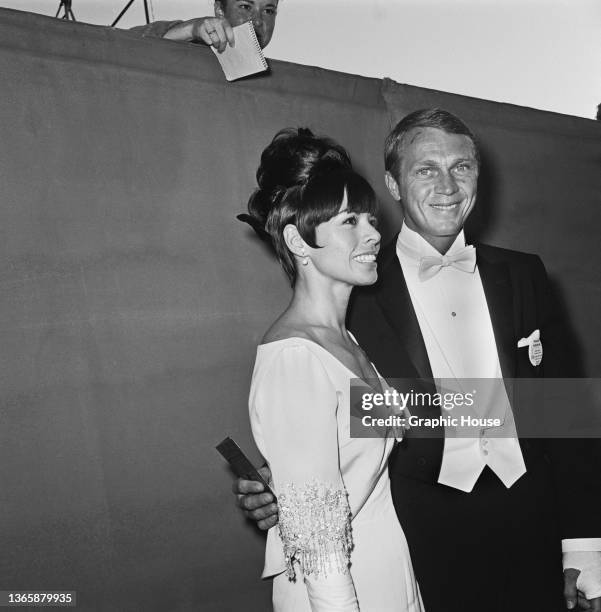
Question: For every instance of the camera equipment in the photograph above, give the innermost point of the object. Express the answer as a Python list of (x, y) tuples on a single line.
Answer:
[(65, 5), (126, 8)]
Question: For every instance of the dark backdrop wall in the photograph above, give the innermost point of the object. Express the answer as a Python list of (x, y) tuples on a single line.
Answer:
[(131, 300)]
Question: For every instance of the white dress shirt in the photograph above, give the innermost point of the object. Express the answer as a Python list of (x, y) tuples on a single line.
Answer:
[(455, 323)]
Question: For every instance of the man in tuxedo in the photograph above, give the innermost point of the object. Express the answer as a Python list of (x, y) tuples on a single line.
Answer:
[(486, 518)]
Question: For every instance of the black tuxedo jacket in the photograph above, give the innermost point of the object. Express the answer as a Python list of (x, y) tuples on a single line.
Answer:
[(383, 319)]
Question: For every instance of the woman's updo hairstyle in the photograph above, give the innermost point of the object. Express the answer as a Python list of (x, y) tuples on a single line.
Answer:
[(301, 181)]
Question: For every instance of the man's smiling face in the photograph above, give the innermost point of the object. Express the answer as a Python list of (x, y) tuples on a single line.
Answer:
[(436, 183)]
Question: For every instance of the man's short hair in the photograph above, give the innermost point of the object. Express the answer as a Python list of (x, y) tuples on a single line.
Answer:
[(423, 118)]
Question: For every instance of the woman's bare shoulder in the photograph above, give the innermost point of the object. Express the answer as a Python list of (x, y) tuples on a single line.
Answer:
[(287, 327), (282, 332)]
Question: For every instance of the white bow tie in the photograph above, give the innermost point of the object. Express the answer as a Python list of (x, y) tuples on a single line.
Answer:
[(464, 260)]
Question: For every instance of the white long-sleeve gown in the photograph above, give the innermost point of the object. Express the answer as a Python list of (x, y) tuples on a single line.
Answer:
[(333, 490)]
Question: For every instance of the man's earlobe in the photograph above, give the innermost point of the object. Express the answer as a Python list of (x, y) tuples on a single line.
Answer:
[(393, 186)]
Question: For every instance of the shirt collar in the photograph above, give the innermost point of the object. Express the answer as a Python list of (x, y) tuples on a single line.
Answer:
[(410, 244)]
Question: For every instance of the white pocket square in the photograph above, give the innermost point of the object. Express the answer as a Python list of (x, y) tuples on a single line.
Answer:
[(535, 347)]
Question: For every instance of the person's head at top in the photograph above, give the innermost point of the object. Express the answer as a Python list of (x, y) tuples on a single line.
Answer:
[(319, 214), (261, 13), (432, 163), (217, 31)]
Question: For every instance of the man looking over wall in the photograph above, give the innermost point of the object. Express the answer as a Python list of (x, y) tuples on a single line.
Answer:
[(218, 31)]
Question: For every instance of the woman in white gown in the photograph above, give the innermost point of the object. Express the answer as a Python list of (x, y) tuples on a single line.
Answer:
[(338, 544)]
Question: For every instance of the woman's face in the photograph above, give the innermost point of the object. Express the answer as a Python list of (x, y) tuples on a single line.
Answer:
[(349, 244)]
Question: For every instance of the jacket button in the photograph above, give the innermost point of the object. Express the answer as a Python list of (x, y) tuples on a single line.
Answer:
[(421, 461)]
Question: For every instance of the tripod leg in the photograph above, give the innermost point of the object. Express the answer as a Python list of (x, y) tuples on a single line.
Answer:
[(122, 13), (146, 11)]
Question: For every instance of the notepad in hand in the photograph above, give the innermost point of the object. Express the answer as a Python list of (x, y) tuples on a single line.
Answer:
[(246, 57)]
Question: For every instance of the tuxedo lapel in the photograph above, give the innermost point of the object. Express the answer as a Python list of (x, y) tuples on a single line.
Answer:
[(498, 290), (395, 303)]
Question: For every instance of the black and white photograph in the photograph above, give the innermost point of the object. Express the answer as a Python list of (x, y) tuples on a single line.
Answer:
[(300, 305)]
